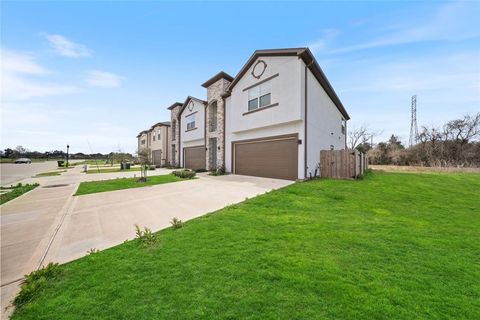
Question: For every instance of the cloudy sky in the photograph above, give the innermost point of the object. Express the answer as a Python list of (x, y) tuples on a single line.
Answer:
[(94, 74)]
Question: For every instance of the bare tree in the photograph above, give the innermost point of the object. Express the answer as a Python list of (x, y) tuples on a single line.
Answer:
[(360, 135), (145, 162), (463, 130)]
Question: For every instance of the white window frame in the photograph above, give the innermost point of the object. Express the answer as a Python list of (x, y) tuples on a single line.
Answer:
[(256, 94), (190, 120)]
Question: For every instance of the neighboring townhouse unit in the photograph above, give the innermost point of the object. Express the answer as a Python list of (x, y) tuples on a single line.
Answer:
[(157, 140), (271, 120)]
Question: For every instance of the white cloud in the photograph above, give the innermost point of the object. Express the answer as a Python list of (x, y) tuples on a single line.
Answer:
[(19, 62), (449, 22), (328, 35), (67, 48), (104, 79), (16, 83)]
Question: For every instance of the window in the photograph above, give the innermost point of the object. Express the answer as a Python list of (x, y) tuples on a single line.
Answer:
[(332, 147), (153, 136), (158, 134), (259, 96), (213, 117), (174, 130), (142, 142), (343, 126), (190, 122)]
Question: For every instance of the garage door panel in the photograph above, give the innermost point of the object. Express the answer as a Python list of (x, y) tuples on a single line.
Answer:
[(195, 157), (271, 158)]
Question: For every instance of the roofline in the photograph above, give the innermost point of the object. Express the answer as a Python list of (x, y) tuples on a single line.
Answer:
[(160, 124), (308, 58), (188, 100), (215, 78), (174, 105)]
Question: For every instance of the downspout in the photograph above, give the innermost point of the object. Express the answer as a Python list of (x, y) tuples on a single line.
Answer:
[(205, 133), (306, 120), (224, 120)]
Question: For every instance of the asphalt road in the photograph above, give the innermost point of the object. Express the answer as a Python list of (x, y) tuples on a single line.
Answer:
[(11, 173)]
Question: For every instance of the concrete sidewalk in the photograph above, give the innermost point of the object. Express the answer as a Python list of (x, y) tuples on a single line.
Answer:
[(50, 222)]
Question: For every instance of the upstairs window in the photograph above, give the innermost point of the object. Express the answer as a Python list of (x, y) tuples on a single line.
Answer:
[(343, 126), (158, 134), (190, 122), (153, 136), (142, 142), (259, 96)]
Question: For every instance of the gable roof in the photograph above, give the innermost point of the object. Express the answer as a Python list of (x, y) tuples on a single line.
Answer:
[(142, 132), (164, 123), (215, 78), (306, 55), (174, 105), (187, 101)]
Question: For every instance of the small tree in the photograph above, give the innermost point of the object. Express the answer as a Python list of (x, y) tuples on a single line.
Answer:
[(145, 160)]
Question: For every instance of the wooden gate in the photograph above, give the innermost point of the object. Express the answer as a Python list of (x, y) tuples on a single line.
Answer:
[(342, 164)]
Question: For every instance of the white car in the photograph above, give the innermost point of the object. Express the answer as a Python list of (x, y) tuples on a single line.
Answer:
[(23, 160)]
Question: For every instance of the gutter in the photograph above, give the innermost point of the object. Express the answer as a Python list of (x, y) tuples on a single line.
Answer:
[(305, 146)]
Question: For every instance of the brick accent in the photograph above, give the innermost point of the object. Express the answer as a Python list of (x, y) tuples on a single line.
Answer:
[(174, 155), (214, 92)]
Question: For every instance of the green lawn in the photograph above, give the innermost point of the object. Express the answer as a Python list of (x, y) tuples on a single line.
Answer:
[(51, 173), (123, 183), (110, 170), (15, 191), (390, 246)]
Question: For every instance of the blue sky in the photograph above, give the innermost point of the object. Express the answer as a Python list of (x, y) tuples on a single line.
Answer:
[(93, 74)]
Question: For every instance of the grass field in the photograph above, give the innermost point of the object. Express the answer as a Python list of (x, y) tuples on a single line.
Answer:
[(123, 183), (15, 191), (93, 170), (390, 246)]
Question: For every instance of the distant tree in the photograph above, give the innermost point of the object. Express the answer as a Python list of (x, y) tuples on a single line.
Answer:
[(359, 138), (8, 153), (21, 150)]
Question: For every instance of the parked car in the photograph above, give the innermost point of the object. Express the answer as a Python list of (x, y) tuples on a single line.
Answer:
[(23, 160)]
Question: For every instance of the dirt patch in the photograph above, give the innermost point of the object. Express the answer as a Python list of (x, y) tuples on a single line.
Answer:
[(422, 169)]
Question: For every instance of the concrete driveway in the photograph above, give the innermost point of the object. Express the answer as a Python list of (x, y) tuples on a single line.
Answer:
[(50, 225)]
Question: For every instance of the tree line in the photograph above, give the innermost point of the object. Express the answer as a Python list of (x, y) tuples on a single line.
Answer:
[(454, 144), (22, 152)]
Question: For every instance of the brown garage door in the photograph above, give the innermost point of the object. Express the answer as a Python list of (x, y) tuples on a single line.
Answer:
[(273, 157), (157, 157), (194, 157)]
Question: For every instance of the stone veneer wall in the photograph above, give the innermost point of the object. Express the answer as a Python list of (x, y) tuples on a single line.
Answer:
[(214, 93), (174, 158)]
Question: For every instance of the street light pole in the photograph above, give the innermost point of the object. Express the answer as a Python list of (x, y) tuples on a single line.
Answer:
[(68, 147)]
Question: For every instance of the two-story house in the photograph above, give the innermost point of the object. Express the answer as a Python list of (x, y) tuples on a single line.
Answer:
[(157, 141), (270, 120)]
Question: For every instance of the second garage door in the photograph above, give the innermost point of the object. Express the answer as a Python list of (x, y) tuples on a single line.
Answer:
[(194, 157), (273, 157)]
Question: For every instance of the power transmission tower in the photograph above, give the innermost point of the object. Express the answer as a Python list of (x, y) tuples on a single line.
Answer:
[(413, 123)]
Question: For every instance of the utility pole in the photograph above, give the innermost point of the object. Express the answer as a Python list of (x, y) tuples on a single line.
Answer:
[(413, 122)]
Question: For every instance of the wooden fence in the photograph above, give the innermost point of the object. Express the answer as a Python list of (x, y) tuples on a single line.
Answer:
[(342, 164)]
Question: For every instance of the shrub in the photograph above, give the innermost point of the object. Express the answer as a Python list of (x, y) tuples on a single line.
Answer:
[(176, 223), (200, 170), (145, 237), (151, 167), (36, 282), (184, 174), (219, 172)]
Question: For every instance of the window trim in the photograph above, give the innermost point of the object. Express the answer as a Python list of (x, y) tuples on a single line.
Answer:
[(261, 108), (194, 122)]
